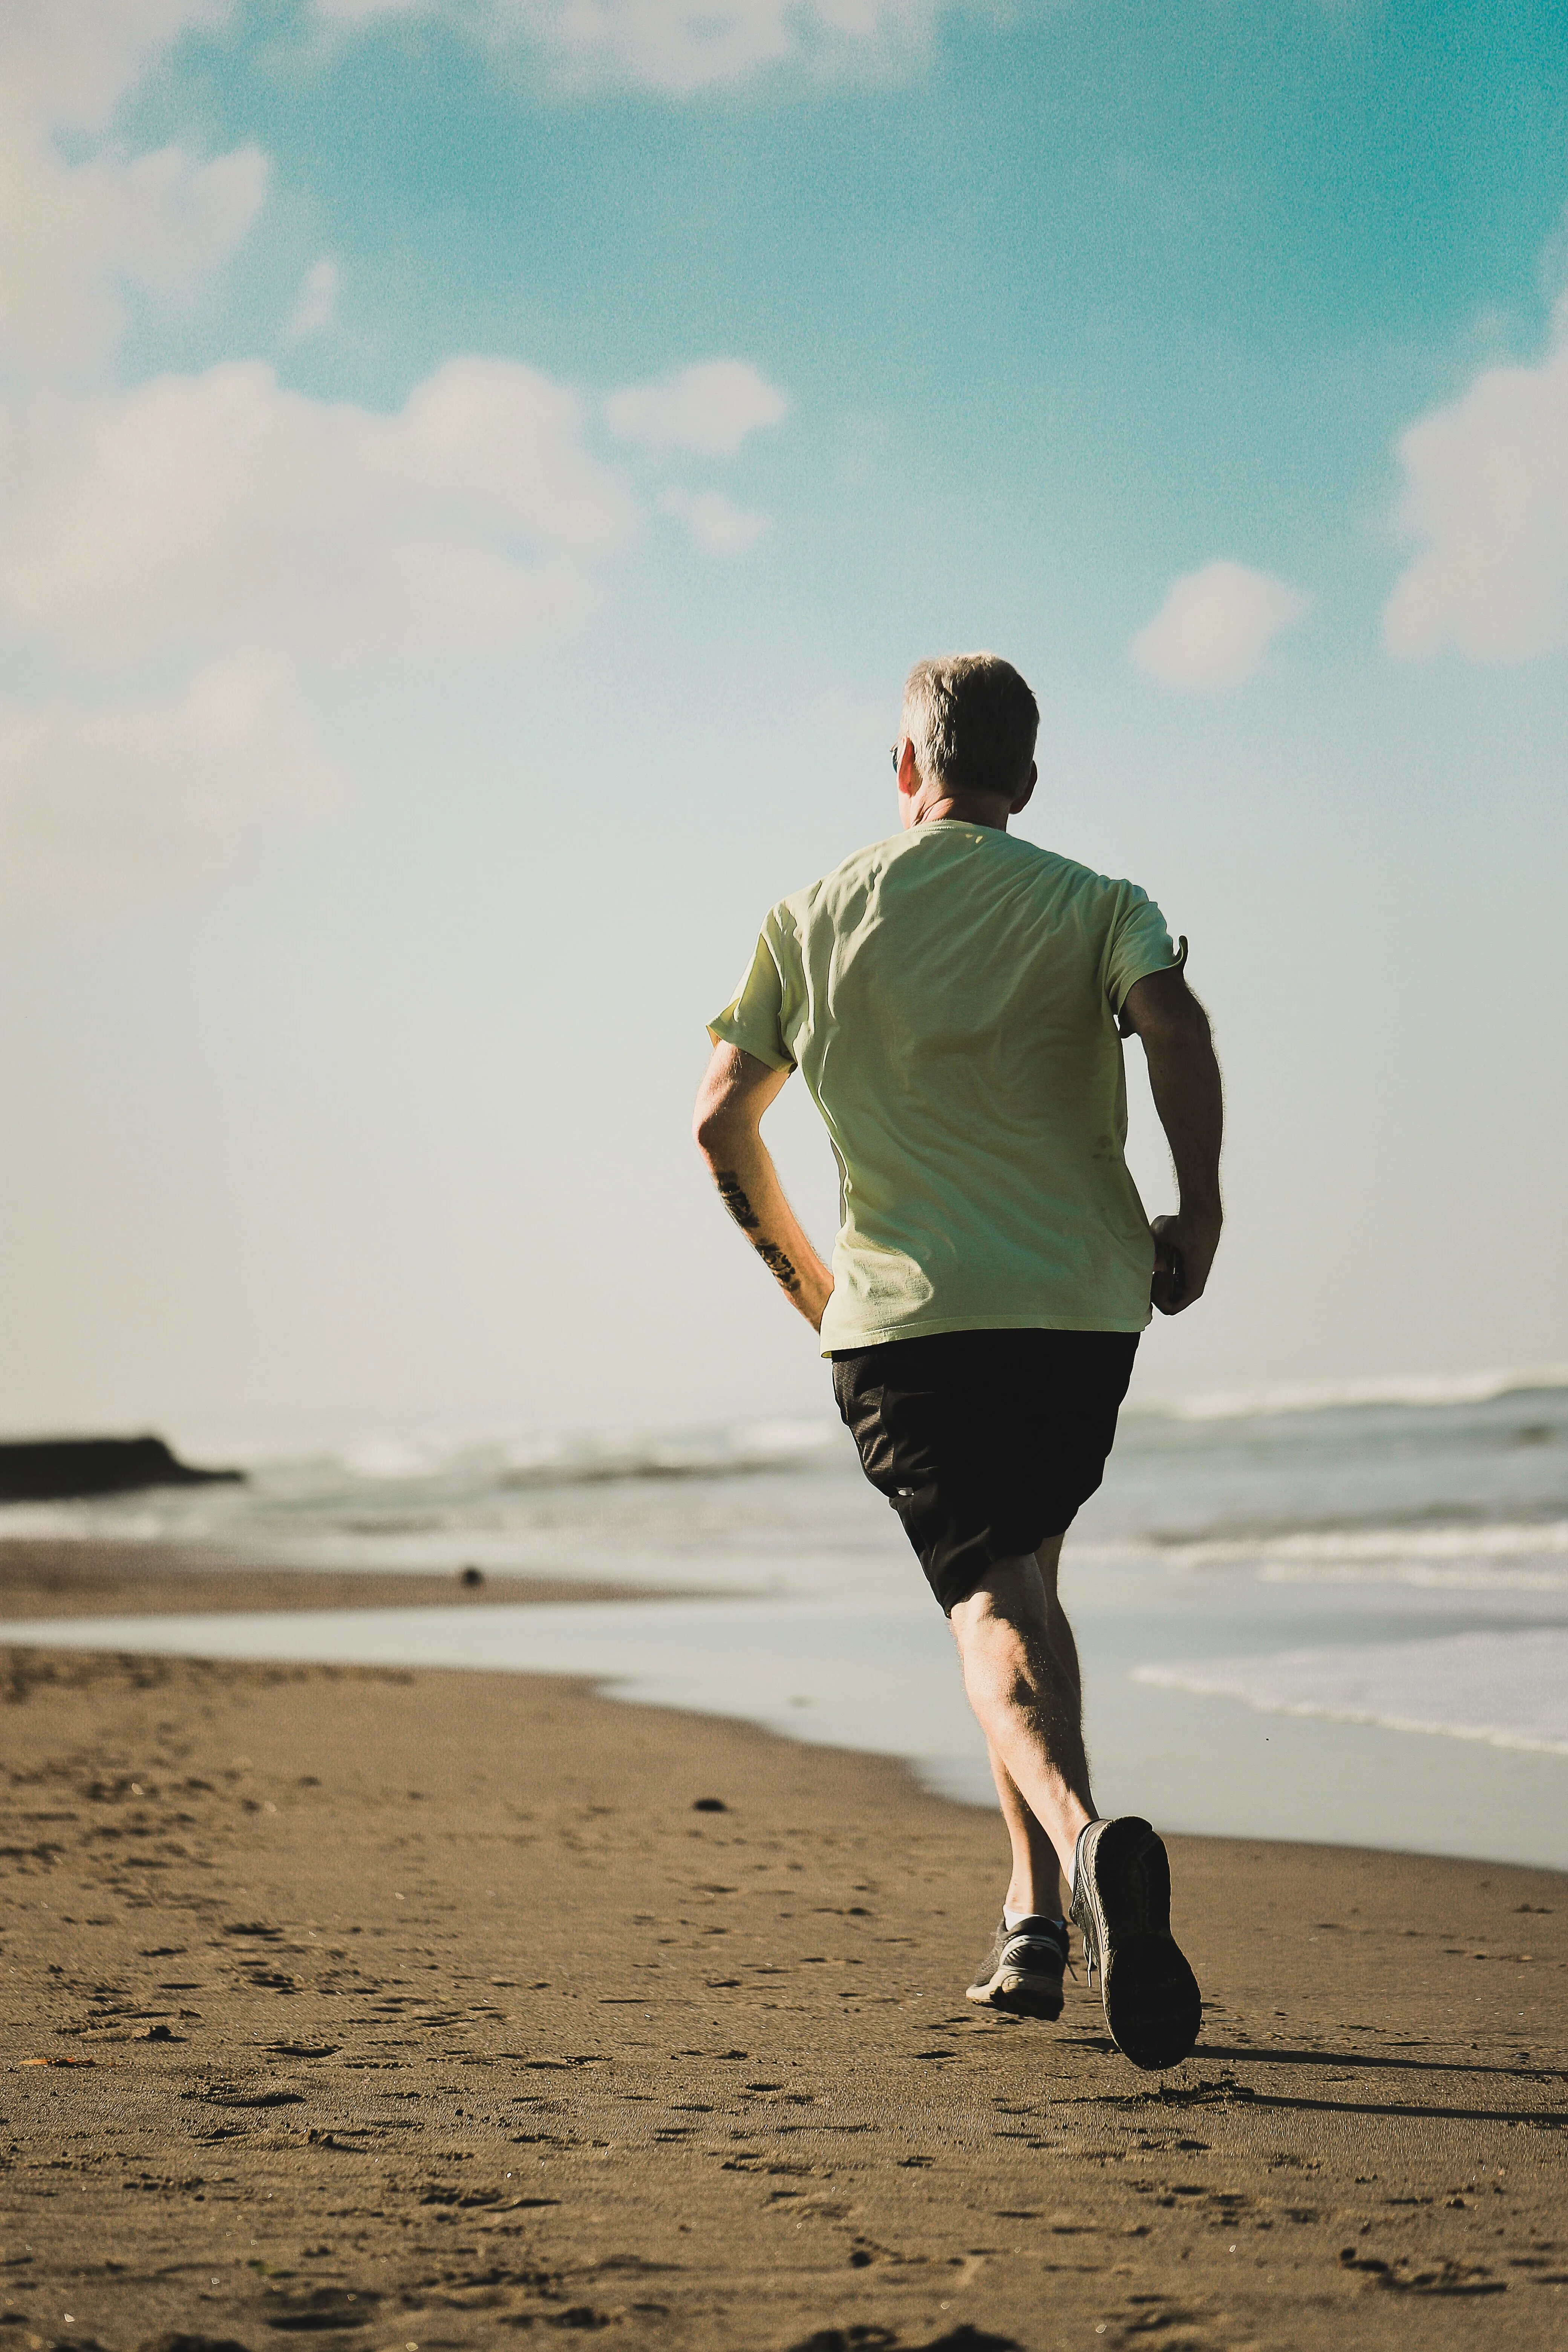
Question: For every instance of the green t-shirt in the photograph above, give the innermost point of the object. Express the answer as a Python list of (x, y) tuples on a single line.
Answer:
[(950, 998)]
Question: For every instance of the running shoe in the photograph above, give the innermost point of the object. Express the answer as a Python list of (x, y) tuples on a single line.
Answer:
[(1024, 1972), (1122, 1904)]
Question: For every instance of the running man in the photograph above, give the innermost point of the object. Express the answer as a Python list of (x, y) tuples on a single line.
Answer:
[(955, 999)]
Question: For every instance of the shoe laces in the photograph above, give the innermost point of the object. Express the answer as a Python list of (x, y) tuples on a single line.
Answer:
[(1090, 1951)]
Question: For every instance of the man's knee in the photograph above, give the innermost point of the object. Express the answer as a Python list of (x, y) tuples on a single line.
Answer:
[(1010, 1598), (997, 1649)]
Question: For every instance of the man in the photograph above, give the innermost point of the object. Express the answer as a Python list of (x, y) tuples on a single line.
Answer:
[(953, 998)]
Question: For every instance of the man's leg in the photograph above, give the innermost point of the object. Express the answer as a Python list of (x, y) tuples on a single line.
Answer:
[(909, 1406), (1036, 1885), (1020, 1670), (1021, 1674), (1036, 1882)]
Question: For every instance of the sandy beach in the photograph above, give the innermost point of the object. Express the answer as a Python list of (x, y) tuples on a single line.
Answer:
[(420, 2008), (64, 1579)]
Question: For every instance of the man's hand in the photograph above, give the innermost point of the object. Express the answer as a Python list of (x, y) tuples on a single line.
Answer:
[(1185, 1250), (1184, 1079), (735, 1092)]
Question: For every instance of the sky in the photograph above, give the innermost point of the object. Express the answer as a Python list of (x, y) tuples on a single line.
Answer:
[(473, 476)]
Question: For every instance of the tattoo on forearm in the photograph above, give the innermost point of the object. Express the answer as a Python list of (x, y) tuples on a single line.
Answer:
[(735, 1200), (778, 1266)]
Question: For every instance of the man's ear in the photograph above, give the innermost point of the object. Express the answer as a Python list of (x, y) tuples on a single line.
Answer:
[(909, 772), (1028, 795)]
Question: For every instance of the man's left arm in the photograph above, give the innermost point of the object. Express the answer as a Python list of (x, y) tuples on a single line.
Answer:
[(736, 1090), (1184, 1079)]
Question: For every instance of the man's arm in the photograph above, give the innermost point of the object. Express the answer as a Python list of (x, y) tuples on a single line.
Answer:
[(1184, 1079), (736, 1090)]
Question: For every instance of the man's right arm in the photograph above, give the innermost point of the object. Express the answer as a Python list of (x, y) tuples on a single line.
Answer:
[(736, 1090), (1184, 1079)]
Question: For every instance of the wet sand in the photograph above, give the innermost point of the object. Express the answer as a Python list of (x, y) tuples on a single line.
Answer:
[(48, 1579), (427, 2009)]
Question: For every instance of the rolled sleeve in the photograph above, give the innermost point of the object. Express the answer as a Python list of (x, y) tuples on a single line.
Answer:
[(1138, 945), (753, 1019)]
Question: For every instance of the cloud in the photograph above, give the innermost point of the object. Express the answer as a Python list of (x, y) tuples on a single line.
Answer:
[(679, 46), (72, 238), (724, 529), (711, 408), (210, 510), (715, 521), (365, 12), (225, 520), (73, 60), (1215, 624), (100, 808), (74, 235), (318, 304), (1486, 489)]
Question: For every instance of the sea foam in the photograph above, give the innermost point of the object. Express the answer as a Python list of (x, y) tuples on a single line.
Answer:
[(1263, 1399), (1509, 1689)]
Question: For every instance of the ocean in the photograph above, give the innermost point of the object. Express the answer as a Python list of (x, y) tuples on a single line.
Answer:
[(1337, 1613)]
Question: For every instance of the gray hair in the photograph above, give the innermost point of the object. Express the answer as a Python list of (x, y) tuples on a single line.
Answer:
[(973, 722)]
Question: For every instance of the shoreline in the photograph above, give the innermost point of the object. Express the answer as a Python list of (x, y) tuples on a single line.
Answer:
[(436, 1990), (791, 1668), (55, 1578)]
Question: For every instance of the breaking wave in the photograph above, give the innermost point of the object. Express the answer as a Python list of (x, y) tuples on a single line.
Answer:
[(1507, 1689), (1263, 1399)]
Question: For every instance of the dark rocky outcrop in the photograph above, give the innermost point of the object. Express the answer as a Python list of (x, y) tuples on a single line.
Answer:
[(65, 1469)]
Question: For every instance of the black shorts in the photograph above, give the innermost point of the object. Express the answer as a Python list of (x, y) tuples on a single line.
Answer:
[(985, 1442)]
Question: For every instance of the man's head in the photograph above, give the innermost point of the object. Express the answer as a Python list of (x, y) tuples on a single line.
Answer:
[(968, 731)]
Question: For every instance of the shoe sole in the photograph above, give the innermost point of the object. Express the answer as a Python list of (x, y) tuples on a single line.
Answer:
[(1121, 1903), (1020, 1996)]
